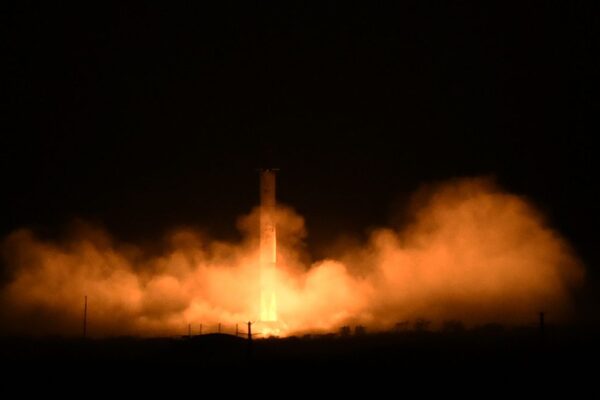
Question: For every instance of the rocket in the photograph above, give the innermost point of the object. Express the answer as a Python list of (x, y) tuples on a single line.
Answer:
[(268, 245)]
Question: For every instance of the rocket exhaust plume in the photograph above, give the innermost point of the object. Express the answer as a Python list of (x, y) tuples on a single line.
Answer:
[(470, 252), (268, 247)]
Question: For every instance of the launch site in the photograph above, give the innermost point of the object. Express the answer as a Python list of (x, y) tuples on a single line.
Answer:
[(410, 187)]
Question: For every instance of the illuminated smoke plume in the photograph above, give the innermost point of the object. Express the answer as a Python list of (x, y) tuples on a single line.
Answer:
[(471, 252)]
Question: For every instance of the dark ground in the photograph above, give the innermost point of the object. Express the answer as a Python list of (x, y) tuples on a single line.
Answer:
[(490, 347)]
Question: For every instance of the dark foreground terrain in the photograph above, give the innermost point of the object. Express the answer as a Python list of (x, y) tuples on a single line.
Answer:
[(490, 348)]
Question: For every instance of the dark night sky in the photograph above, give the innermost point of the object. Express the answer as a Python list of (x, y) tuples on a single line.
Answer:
[(146, 117)]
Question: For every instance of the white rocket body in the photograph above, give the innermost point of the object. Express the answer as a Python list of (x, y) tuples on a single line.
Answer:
[(268, 246)]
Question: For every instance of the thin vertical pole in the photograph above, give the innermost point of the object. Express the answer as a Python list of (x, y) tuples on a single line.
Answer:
[(85, 317), (249, 330), (542, 327), (200, 331)]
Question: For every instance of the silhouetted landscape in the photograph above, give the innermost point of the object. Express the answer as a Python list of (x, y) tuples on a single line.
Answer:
[(490, 347)]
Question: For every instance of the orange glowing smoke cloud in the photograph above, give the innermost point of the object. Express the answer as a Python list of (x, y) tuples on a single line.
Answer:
[(471, 253)]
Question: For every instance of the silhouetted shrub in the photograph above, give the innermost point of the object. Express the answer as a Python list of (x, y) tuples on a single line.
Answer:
[(345, 331), (401, 326), (421, 325), (453, 326), (360, 330)]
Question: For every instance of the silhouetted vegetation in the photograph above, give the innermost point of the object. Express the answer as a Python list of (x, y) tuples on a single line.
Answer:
[(453, 326), (453, 346), (421, 325)]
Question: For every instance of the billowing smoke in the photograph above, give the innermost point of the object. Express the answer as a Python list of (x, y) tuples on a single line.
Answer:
[(470, 252)]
